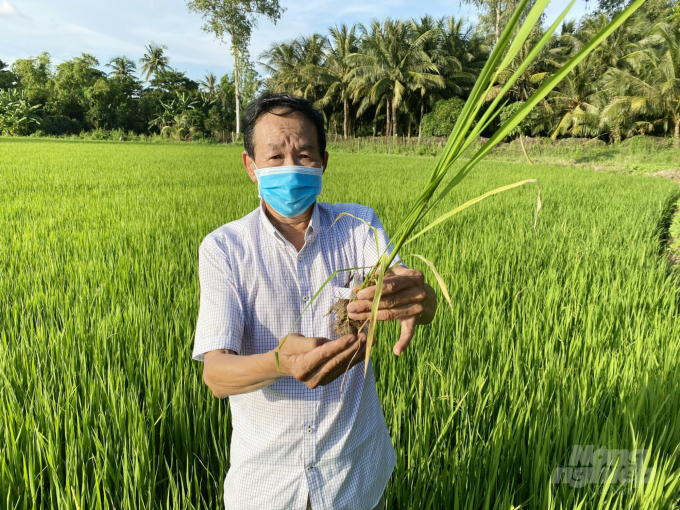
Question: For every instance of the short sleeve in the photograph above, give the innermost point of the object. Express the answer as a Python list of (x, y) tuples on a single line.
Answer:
[(371, 255), (220, 316)]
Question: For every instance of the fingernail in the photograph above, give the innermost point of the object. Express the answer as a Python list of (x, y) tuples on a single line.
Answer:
[(351, 307)]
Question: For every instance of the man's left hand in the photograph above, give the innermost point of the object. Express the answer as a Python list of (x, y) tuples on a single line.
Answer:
[(405, 297)]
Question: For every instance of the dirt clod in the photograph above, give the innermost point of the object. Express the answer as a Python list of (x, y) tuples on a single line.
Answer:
[(672, 173), (343, 325)]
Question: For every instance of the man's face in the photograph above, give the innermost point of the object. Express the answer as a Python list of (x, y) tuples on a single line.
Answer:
[(284, 140)]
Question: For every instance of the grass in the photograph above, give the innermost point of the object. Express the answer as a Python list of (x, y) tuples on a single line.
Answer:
[(674, 237), (637, 155), (569, 336)]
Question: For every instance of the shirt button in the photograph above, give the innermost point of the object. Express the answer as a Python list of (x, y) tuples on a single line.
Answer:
[(305, 298), (300, 258), (309, 430), (308, 468)]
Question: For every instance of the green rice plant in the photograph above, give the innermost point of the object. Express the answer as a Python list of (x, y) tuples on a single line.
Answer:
[(565, 336), (467, 131)]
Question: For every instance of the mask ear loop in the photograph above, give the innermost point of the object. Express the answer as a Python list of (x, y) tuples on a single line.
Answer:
[(259, 194)]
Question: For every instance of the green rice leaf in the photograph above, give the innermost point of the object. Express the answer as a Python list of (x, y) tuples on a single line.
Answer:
[(382, 264), (440, 280), (535, 51), (470, 203), (523, 34), (552, 82), (477, 97)]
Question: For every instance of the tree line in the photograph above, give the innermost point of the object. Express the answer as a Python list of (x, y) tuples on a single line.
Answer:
[(391, 77), (144, 97)]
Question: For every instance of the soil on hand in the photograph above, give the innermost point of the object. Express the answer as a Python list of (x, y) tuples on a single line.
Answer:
[(343, 324)]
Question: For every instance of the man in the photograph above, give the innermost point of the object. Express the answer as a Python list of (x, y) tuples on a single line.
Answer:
[(298, 441)]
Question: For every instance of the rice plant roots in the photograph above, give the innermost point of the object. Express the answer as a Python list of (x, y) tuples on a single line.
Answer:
[(343, 325)]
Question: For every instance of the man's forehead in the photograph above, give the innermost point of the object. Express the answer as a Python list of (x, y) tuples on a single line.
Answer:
[(274, 131)]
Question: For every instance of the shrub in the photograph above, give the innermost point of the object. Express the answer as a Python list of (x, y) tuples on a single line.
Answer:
[(58, 125), (440, 121), (528, 124)]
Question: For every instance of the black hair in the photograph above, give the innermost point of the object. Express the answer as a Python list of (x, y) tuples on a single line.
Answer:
[(282, 105)]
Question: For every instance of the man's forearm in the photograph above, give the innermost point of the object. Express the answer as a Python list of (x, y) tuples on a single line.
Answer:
[(226, 373)]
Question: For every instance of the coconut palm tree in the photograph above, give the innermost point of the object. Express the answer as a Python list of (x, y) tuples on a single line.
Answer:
[(390, 63), (622, 42), (457, 51), (280, 61), (533, 75), (154, 61), (122, 67), (293, 66), (527, 83), (574, 107), (460, 54), (650, 90), (209, 83), (335, 73)]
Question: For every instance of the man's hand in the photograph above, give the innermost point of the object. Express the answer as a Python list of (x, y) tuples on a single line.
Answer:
[(405, 297), (319, 361)]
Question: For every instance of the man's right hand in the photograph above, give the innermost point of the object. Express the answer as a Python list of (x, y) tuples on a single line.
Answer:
[(319, 361)]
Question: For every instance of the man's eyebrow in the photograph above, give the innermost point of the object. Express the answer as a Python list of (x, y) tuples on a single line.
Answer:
[(305, 147)]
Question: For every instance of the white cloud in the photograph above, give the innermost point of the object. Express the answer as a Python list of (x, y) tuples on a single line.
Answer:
[(7, 9)]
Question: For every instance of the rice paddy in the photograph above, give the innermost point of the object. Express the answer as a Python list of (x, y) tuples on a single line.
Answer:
[(567, 336)]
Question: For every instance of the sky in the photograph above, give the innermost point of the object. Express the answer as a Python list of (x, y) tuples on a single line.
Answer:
[(107, 28)]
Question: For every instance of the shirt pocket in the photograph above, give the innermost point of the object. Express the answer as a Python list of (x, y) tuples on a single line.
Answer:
[(338, 292)]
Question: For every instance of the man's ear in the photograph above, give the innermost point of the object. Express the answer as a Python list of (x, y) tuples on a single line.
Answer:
[(249, 165), (325, 161)]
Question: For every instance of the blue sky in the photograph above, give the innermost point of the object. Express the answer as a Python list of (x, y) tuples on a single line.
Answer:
[(107, 28)]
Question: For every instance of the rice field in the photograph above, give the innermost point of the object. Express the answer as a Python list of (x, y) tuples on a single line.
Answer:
[(567, 336)]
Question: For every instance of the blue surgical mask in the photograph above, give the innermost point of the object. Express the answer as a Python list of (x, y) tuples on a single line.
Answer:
[(290, 190)]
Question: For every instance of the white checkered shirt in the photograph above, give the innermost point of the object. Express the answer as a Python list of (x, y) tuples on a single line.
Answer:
[(290, 443)]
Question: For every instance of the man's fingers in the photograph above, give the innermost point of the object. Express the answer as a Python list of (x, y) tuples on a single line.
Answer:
[(390, 314), (390, 285), (408, 328), (398, 279), (316, 358), (339, 364), (408, 296), (298, 344), (399, 269)]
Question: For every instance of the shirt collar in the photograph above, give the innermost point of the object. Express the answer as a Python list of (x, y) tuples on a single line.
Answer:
[(313, 230)]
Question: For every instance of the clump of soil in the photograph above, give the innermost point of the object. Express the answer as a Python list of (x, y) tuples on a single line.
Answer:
[(672, 174), (343, 324)]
